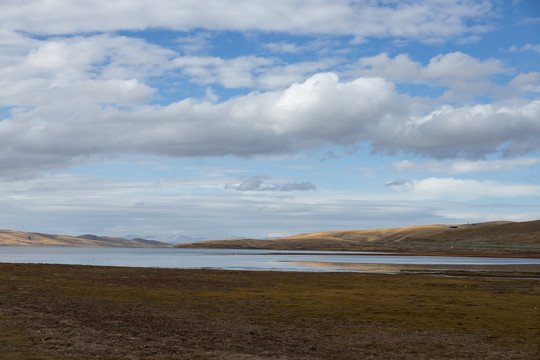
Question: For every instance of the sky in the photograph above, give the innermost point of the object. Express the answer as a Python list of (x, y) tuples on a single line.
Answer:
[(214, 119)]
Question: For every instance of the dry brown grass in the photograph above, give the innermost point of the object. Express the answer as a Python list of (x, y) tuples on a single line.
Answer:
[(21, 238), (492, 238)]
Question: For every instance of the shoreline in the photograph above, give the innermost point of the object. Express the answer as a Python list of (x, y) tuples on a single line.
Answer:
[(387, 252), (482, 252)]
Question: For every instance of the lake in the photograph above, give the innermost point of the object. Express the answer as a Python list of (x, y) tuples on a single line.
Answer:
[(258, 259)]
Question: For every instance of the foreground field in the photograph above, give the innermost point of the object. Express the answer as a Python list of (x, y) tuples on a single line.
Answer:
[(83, 312)]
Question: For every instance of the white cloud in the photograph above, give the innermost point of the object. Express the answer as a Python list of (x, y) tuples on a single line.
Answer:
[(52, 71), (488, 213), (231, 73), (68, 99), (322, 107), (456, 70), (472, 131), (63, 125), (465, 166), (530, 20), (529, 82), (322, 44), (30, 69), (281, 76), (399, 68), (465, 189), (433, 20), (462, 66), (194, 44), (526, 47), (283, 47), (248, 71)]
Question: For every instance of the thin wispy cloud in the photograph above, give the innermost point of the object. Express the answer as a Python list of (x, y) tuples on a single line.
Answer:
[(440, 19), (526, 47), (465, 189), (465, 166)]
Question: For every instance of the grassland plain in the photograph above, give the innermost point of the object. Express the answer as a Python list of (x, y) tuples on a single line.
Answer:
[(85, 312)]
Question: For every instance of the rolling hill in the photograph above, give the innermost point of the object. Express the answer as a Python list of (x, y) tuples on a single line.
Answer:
[(497, 236), (20, 238)]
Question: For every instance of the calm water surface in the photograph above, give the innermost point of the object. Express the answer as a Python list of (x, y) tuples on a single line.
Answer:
[(256, 259)]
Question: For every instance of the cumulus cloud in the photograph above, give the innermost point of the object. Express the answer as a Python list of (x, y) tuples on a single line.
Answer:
[(257, 183), (30, 67), (427, 19), (67, 124), (527, 83), (455, 70), (231, 73), (399, 68), (93, 69), (65, 100), (462, 66), (247, 71), (473, 131)]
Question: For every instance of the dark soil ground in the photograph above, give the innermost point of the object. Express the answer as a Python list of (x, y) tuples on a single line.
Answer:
[(84, 312)]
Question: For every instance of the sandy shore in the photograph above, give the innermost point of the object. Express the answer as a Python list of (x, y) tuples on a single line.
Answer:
[(84, 312)]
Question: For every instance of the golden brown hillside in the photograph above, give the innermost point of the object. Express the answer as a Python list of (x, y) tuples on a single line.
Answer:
[(20, 238), (492, 237)]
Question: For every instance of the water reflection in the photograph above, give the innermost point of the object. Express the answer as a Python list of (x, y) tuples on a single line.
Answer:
[(398, 268)]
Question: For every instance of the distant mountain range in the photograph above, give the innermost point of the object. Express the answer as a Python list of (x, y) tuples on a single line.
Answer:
[(489, 237), (498, 236), (21, 238)]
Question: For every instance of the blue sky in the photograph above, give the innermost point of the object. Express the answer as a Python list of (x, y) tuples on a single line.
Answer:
[(220, 119)]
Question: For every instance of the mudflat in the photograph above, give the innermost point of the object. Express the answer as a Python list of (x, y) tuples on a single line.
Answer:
[(85, 312)]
